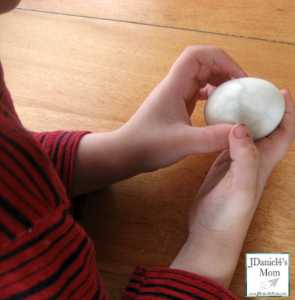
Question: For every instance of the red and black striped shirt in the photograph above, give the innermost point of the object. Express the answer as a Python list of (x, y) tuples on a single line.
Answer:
[(44, 253)]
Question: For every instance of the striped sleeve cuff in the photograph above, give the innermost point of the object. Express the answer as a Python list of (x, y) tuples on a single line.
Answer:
[(61, 146), (166, 283)]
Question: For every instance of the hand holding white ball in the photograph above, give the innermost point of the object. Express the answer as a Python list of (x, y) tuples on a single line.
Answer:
[(254, 102)]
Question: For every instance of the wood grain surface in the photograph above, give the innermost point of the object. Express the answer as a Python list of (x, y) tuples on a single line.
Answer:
[(88, 65), (256, 19)]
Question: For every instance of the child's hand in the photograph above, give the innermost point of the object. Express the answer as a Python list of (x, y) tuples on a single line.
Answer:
[(160, 133), (225, 204)]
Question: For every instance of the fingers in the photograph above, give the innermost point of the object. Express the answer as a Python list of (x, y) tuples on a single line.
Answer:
[(286, 129), (206, 92), (199, 65), (237, 167), (274, 147), (245, 157)]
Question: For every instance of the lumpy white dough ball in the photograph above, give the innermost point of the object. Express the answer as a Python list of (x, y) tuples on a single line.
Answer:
[(255, 102)]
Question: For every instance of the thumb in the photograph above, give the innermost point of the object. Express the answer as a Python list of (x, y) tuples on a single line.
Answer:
[(245, 159), (205, 139)]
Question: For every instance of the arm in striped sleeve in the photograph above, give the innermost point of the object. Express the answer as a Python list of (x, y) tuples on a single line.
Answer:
[(61, 147), (44, 253), (172, 284)]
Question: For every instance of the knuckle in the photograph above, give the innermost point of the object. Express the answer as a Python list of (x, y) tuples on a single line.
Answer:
[(191, 48), (190, 51)]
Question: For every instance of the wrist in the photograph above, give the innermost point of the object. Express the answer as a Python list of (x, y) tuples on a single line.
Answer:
[(138, 150), (212, 258)]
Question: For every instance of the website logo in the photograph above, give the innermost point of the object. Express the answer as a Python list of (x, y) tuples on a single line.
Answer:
[(267, 274)]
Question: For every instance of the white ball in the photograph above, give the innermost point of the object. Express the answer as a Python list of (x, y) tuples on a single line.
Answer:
[(254, 102)]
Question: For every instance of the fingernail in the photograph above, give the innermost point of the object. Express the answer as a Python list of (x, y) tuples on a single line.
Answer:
[(241, 131)]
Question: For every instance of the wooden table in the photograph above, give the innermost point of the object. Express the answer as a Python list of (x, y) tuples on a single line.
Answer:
[(88, 65)]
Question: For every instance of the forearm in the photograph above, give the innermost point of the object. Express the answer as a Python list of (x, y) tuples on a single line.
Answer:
[(102, 159)]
